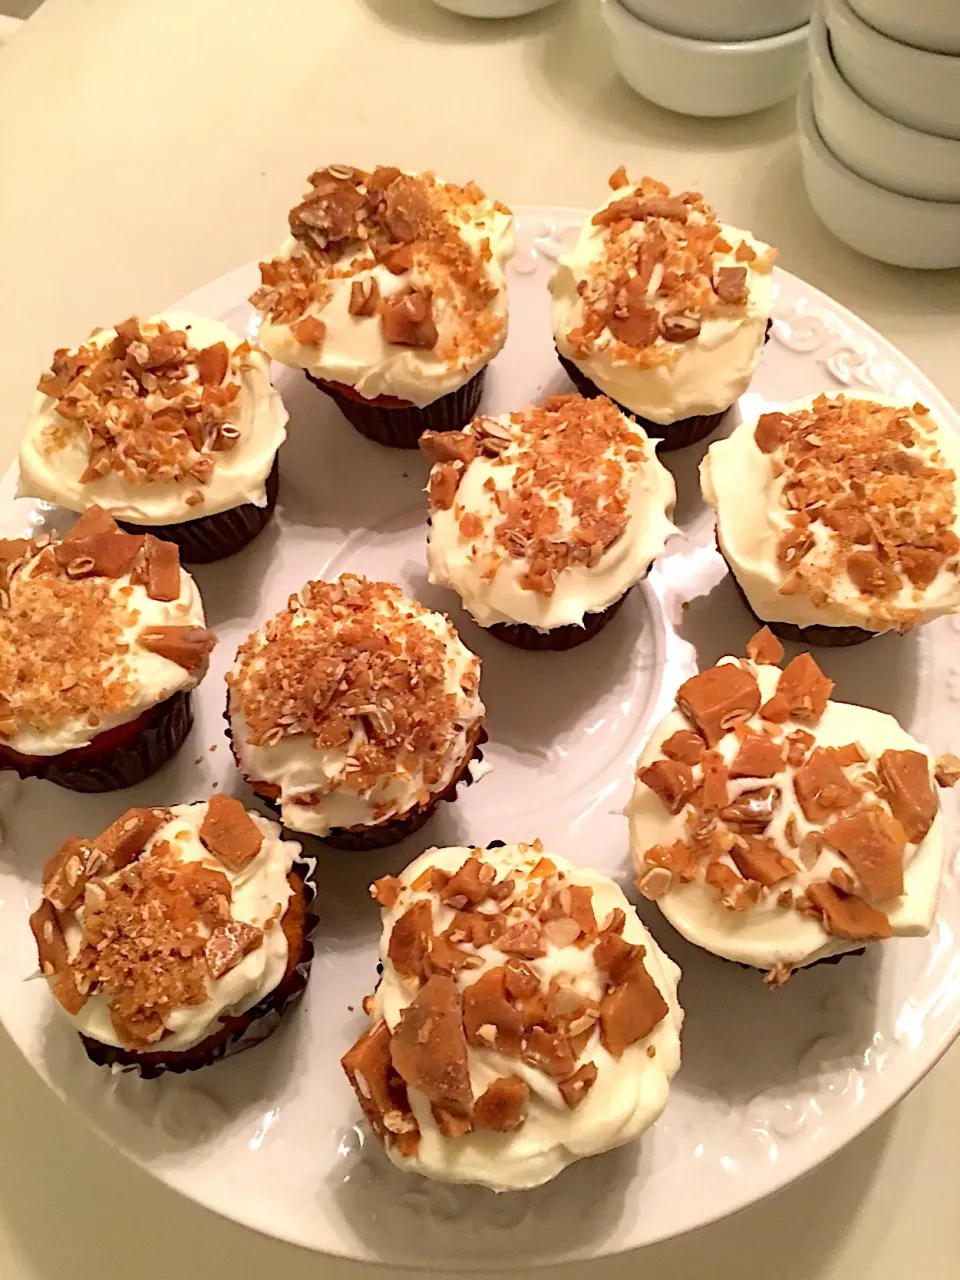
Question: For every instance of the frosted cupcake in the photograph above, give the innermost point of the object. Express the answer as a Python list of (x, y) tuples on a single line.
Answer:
[(525, 1019), (389, 293), (543, 520), (777, 828), (175, 936), (662, 308), (354, 712), (838, 516), (102, 638), (171, 426)]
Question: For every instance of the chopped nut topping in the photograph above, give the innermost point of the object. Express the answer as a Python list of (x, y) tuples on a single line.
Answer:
[(716, 698), (147, 406), (230, 833), (907, 788)]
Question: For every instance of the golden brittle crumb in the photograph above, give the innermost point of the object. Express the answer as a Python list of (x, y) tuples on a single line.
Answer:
[(869, 501), (146, 406)]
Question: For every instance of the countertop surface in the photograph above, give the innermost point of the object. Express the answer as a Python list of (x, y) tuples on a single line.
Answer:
[(148, 146)]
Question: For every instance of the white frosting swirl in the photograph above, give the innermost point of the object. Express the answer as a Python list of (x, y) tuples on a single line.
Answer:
[(740, 482), (257, 891), (301, 770), (769, 935), (630, 1092), (53, 472), (354, 350), (461, 562), (153, 677), (710, 372)]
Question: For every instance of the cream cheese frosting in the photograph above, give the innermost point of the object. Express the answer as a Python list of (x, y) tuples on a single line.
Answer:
[(483, 547), (259, 893), (749, 488), (629, 1092), (346, 763), (770, 936), (665, 380), (142, 678), (463, 277), (55, 454)]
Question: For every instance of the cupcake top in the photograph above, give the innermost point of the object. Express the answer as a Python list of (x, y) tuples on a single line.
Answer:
[(95, 630), (391, 283), (548, 514), (661, 306), (353, 706), (170, 920), (157, 422), (774, 827), (525, 1018), (840, 510)]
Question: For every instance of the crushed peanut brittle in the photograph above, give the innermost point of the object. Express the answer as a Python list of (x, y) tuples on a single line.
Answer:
[(869, 502), (354, 665), (146, 405)]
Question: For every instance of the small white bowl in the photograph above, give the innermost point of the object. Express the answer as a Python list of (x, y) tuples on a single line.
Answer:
[(918, 88), (493, 8), (701, 77), (871, 144), (929, 24), (892, 228), (722, 19)]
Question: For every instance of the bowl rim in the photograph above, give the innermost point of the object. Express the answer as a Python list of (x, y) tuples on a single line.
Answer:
[(691, 44), (823, 65), (844, 13), (810, 133)]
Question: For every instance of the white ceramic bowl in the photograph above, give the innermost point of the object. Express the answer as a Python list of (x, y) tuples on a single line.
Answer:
[(918, 88), (883, 225), (722, 19), (701, 77), (929, 24), (871, 144), (493, 8)]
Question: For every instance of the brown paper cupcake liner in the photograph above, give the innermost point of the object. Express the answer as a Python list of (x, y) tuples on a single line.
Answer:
[(826, 637), (522, 636), (127, 755), (247, 1029), (401, 426), (223, 534)]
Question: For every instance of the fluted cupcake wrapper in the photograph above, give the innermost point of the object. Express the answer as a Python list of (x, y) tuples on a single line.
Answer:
[(400, 427)]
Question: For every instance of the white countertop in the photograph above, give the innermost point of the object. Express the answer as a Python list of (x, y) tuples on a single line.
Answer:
[(146, 147)]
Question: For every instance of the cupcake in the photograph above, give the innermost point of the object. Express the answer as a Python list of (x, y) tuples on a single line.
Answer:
[(777, 828), (525, 1018), (102, 638), (663, 309), (171, 426), (837, 516), (543, 520), (175, 936), (354, 712), (389, 293)]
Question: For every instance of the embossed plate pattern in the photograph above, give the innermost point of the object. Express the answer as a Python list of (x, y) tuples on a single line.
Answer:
[(772, 1083)]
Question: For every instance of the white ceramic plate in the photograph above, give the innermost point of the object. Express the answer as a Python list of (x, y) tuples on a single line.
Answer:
[(772, 1083)]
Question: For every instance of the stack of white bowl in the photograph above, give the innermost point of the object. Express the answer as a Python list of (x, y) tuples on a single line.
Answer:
[(710, 57), (880, 127)]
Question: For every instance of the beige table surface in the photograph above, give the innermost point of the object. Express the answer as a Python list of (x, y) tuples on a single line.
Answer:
[(146, 146)]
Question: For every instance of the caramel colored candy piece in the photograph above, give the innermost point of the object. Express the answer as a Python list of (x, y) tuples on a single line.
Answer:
[(65, 875), (209, 892), (524, 938), (822, 787), (776, 709), (873, 843), (772, 431), (107, 554), (576, 1087), (731, 284), (550, 1052), (409, 945), (805, 688), (632, 1009), (309, 332), (713, 789), (676, 858), (407, 320), (429, 1050), (137, 1028), (846, 916), (444, 481), (671, 780), (758, 757), (871, 576), (212, 364), (67, 990), (520, 980), (633, 322), (188, 647), (715, 699), (127, 836), (500, 1106), (752, 811), (230, 833), (448, 446), (93, 522), (364, 297), (614, 956), (908, 790), (228, 944), (161, 571), (761, 860), (380, 1092), (471, 882), (386, 891), (764, 648), (490, 1020), (48, 934), (685, 746)]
